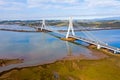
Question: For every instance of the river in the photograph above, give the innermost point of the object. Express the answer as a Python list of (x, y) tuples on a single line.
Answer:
[(39, 48)]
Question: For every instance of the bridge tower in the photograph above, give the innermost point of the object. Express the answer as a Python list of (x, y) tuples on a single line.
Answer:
[(43, 25), (70, 28)]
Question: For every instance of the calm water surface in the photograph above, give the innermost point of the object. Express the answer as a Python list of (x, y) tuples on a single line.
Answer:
[(111, 37), (33, 46), (38, 48)]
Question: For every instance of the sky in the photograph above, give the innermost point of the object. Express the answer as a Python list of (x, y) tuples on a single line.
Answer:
[(37, 9)]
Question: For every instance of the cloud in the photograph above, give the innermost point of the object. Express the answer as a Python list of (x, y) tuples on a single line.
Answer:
[(50, 3), (11, 5), (35, 8), (102, 3), (94, 8), (2, 2), (73, 4), (59, 4)]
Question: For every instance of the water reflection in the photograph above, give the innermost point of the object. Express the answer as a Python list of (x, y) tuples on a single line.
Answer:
[(69, 49)]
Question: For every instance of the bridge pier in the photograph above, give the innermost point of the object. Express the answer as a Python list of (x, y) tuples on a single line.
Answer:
[(68, 39), (115, 51), (98, 46)]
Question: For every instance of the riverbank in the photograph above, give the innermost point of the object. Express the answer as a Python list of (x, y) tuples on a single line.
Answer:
[(94, 29), (70, 68), (5, 62), (104, 69), (103, 50), (60, 30), (16, 30)]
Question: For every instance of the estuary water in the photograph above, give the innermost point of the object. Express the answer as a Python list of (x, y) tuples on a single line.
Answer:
[(39, 48), (111, 37)]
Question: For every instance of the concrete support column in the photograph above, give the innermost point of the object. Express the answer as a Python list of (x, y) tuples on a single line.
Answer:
[(98, 46), (115, 51)]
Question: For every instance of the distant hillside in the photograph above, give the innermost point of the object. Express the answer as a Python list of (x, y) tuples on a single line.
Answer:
[(103, 23)]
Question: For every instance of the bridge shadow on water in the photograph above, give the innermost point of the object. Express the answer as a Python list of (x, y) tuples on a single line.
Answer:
[(76, 42)]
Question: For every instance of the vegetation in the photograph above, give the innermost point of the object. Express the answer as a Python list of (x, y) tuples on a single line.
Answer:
[(101, 24), (5, 62), (103, 69)]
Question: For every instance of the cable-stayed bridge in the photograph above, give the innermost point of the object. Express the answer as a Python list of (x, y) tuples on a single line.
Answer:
[(70, 35)]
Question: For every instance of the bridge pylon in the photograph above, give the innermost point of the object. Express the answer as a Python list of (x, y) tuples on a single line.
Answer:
[(43, 25), (70, 28)]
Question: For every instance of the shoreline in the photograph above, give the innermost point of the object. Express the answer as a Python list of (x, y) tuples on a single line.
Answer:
[(99, 56), (69, 58), (61, 30), (6, 62), (92, 29), (78, 65)]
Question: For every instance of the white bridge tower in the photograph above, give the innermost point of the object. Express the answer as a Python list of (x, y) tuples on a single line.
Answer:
[(43, 25), (70, 28)]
